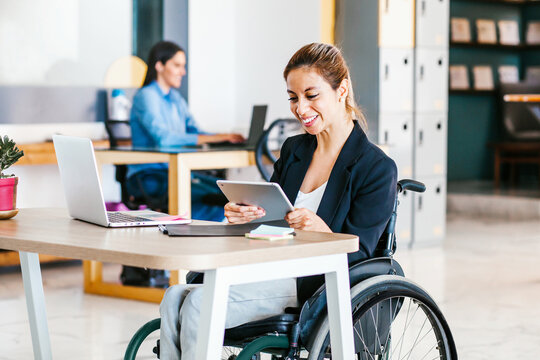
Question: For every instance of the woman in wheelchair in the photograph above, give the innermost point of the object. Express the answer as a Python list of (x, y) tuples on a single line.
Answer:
[(339, 182)]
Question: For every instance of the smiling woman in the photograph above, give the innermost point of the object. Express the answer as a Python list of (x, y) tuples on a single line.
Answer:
[(337, 180)]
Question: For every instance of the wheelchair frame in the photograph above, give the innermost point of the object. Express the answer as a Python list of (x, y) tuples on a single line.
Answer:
[(286, 335)]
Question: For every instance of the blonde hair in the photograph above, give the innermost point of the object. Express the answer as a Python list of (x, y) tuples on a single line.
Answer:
[(328, 61)]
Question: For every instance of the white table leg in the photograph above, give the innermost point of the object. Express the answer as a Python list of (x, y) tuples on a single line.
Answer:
[(213, 313), (216, 291), (35, 302), (339, 311)]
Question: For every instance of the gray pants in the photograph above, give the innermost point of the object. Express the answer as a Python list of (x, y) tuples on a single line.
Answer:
[(180, 312)]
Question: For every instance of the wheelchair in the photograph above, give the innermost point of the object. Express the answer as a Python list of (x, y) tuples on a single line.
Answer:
[(393, 318)]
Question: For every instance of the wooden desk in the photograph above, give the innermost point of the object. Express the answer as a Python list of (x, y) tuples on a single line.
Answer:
[(181, 161), (514, 153), (225, 261)]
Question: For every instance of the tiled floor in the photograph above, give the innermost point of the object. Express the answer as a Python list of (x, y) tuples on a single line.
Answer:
[(485, 278), (529, 189)]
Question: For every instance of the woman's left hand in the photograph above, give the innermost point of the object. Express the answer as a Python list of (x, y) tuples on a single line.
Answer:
[(304, 219)]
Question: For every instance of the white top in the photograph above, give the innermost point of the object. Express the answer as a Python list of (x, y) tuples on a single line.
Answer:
[(312, 200)]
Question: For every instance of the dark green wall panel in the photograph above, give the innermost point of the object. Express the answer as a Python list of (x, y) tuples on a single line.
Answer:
[(473, 120)]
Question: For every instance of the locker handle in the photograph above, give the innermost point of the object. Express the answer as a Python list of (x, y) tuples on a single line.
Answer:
[(386, 137), (419, 202), (420, 137), (423, 7), (438, 190), (421, 72), (439, 126), (439, 62), (405, 126), (386, 71), (405, 61)]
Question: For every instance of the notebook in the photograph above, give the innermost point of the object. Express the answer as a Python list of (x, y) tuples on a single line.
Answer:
[(82, 188), (256, 129)]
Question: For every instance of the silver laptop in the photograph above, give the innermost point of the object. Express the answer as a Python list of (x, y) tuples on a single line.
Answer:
[(82, 188)]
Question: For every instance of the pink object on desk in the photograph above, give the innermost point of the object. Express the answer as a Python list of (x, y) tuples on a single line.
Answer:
[(168, 218), (8, 191)]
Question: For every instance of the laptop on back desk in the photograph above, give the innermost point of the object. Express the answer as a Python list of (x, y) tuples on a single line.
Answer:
[(256, 128), (82, 188)]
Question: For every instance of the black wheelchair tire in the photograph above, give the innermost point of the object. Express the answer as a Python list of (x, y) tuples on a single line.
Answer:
[(376, 290)]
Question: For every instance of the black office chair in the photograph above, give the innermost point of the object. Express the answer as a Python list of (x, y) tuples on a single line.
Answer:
[(520, 120), (278, 130)]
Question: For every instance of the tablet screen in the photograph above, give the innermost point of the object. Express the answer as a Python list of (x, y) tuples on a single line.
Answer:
[(267, 195)]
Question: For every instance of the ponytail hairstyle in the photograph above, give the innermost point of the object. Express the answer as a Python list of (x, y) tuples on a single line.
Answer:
[(162, 52), (328, 61)]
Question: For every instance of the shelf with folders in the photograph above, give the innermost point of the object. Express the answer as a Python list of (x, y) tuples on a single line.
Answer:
[(506, 2), (482, 46), (471, 92)]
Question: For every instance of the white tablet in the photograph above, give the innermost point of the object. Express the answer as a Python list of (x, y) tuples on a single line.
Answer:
[(267, 195)]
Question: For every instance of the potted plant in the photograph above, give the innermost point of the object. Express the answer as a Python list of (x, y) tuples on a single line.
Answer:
[(9, 155)]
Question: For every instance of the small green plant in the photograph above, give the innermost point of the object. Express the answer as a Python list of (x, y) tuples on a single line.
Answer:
[(9, 155)]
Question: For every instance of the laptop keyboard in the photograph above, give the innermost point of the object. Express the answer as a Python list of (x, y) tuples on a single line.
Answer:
[(116, 217)]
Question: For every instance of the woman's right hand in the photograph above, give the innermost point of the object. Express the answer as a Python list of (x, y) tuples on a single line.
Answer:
[(241, 214)]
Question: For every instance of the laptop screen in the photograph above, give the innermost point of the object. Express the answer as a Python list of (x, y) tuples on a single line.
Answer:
[(258, 118)]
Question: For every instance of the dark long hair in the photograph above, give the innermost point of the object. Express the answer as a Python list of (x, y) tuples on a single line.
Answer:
[(328, 61), (162, 52)]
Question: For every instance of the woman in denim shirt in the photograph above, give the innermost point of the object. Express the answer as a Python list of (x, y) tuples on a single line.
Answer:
[(160, 118)]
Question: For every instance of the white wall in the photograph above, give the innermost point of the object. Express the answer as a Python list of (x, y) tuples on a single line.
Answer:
[(59, 43), (238, 51)]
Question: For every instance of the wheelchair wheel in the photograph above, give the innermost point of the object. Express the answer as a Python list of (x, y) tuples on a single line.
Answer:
[(393, 319)]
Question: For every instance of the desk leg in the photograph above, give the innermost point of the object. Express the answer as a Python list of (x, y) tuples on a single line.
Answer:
[(35, 303), (339, 311), (213, 313), (179, 187)]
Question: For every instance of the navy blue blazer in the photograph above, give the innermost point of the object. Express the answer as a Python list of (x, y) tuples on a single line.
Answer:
[(359, 196)]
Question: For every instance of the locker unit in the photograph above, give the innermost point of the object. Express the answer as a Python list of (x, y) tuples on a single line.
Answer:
[(431, 80), (396, 80), (430, 212), (432, 22), (399, 75), (430, 119), (396, 133), (430, 145), (396, 23), (404, 220)]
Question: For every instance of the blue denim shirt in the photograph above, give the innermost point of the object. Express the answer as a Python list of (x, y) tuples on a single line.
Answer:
[(160, 120)]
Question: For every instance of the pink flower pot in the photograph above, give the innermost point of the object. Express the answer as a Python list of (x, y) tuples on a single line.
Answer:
[(8, 193)]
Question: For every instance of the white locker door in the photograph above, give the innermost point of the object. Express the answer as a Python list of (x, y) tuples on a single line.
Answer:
[(396, 23), (432, 19), (431, 81), (396, 133), (396, 81), (430, 212), (430, 145), (404, 220)]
